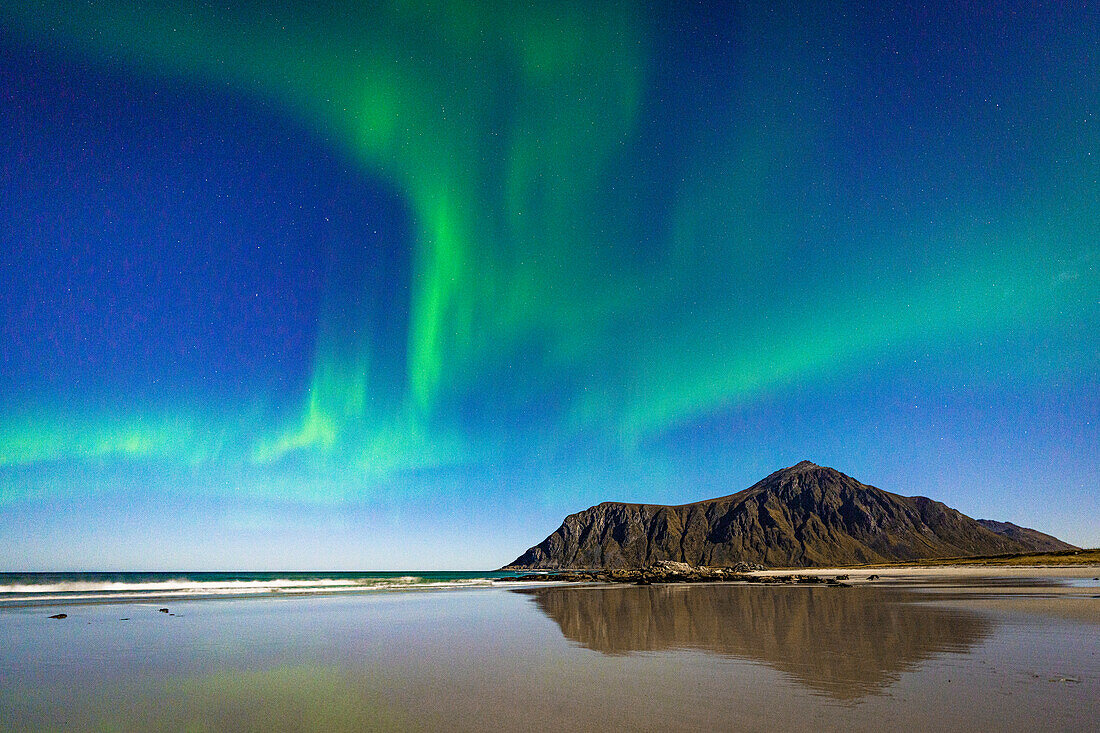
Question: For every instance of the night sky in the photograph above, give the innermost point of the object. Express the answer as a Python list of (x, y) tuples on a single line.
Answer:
[(399, 285)]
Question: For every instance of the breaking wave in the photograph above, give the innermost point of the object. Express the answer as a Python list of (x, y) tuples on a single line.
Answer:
[(52, 588)]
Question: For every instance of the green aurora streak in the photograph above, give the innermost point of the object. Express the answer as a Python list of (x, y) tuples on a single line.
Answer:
[(517, 136)]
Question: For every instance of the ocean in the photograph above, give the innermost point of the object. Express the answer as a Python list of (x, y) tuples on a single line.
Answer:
[(56, 588)]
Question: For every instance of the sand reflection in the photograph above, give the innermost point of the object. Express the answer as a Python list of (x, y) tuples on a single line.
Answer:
[(841, 642)]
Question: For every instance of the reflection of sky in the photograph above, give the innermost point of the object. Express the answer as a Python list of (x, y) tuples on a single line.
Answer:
[(498, 660), (324, 289)]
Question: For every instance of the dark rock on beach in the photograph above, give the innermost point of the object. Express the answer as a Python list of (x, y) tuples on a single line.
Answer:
[(60, 615), (662, 571)]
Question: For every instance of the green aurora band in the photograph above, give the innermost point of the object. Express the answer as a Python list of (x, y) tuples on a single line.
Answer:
[(521, 138)]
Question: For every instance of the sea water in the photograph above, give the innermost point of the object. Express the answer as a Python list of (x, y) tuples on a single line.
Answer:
[(60, 588)]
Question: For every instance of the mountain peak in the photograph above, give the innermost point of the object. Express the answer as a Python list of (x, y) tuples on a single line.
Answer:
[(802, 515)]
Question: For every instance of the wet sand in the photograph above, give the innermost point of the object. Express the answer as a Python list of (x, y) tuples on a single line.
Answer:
[(913, 650), (1070, 592)]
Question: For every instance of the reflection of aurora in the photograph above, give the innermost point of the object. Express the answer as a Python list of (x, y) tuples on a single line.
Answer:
[(604, 241), (845, 643)]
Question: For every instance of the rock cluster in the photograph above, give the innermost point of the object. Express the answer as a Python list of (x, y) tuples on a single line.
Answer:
[(662, 571)]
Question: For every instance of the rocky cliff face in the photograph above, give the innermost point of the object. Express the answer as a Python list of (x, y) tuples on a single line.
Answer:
[(799, 516)]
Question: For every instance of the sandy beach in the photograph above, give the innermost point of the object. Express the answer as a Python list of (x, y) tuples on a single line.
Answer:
[(922, 648), (1064, 591), (953, 572)]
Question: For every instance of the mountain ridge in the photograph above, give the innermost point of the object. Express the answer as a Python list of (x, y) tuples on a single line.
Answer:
[(800, 516), (1039, 541)]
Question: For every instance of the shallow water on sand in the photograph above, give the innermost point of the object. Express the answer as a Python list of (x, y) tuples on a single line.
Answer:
[(725, 657)]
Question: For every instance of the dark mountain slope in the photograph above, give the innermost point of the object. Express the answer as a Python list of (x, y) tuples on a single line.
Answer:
[(799, 516), (1035, 539)]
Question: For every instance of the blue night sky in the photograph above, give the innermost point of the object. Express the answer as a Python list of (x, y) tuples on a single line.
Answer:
[(399, 285)]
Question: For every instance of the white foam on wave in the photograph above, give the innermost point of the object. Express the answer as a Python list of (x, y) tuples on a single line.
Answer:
[(182, 587), (168, 585)]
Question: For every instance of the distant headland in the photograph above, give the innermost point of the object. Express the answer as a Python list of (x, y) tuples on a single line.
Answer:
[(802, 516)]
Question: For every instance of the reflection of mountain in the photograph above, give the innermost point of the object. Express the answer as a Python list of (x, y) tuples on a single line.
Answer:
[(842, 642)]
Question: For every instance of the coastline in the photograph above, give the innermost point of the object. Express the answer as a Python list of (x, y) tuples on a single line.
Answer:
[(178, 587), (1066, 558), (59, 589), (961, 570), (583, 656)]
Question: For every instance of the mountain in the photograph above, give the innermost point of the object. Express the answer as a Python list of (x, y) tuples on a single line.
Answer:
[(1033, 538), (799, 516)]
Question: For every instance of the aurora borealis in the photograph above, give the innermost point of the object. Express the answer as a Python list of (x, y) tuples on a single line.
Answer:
[(399, 284)]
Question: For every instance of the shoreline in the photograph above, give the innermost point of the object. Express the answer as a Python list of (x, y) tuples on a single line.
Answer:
[(593, 656), (926, 576), (1090, 570), (165, 598), (1063, 558)]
